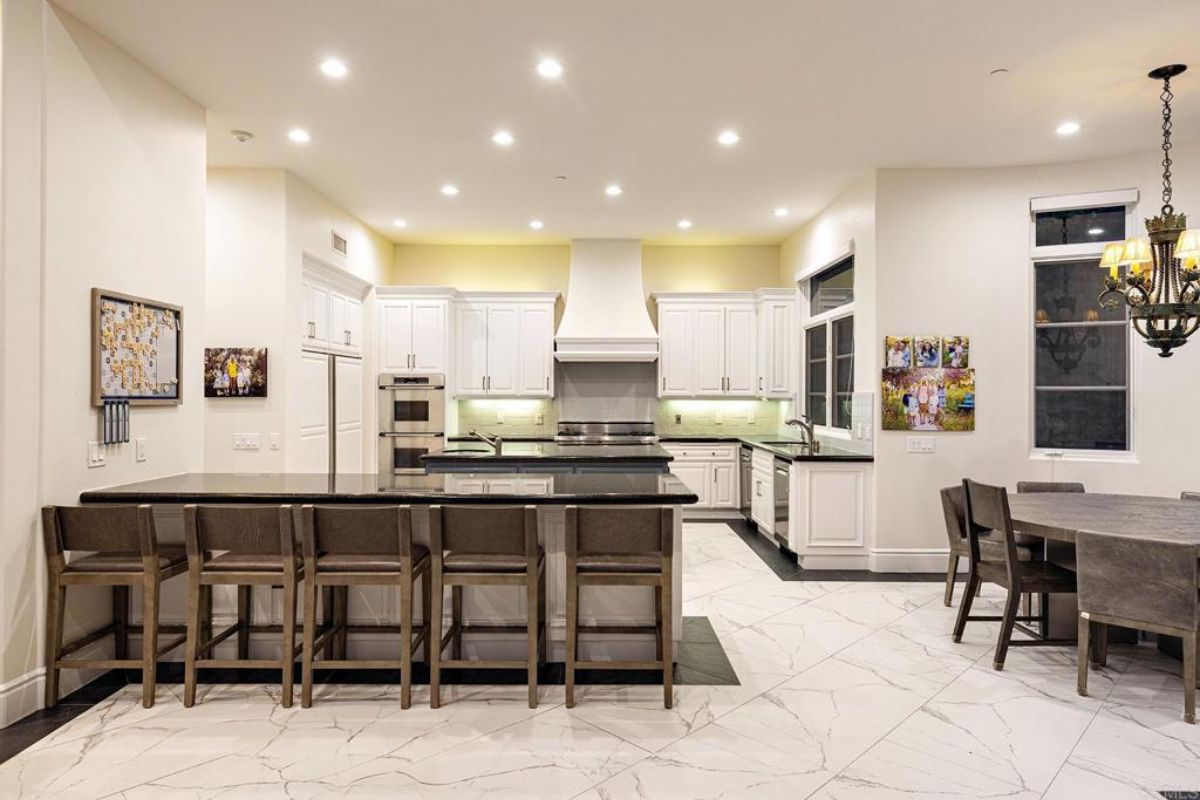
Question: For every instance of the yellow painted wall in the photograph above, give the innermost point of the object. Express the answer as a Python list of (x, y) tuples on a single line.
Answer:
[(665, 268)]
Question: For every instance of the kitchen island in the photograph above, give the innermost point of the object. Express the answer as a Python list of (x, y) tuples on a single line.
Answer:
[(548, 457), (551, 493)]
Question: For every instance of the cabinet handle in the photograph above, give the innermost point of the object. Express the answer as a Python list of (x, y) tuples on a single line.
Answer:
[(347, 337), (312, 329), (411, 358), (547, 383), (664, 383), (760, 380)]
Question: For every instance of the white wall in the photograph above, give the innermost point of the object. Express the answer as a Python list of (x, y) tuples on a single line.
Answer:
[(121, 160), (246, 307), (953, 250)]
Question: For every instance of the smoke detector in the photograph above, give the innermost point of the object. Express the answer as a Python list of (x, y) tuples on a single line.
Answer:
[(241, 136)]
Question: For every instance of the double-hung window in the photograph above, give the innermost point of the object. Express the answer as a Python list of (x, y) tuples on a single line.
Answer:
[(1081, 352), (829, 346)]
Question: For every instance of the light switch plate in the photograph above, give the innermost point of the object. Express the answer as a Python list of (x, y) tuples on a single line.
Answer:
[(95, 455), (718, 418), (273, 438), (139, 447), (247, 441), (499, 417), (920, 444), (750, 417)]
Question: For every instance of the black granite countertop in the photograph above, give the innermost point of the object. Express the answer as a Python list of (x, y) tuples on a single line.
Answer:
[(462, 438), (610, 488), (549, 452), (778, 446)]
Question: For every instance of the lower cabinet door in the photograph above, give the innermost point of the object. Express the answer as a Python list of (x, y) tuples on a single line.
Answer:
[(724, 485), (696, 477)]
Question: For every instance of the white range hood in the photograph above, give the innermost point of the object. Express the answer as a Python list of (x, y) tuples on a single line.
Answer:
[(606, 318)]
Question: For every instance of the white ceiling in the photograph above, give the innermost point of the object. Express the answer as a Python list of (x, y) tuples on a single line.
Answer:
[(820, 92)]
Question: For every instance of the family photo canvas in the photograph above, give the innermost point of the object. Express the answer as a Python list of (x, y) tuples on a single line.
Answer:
[(956, 352), (235, 372), (928, 399)]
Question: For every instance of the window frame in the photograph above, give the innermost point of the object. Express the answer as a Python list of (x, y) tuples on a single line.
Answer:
[(826, 319), (1086, 251)]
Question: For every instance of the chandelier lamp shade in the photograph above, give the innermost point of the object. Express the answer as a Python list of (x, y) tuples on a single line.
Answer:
[(1157, 275)]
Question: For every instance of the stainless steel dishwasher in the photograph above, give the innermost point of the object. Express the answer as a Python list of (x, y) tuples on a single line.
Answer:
[(782, 489), (745, 479)]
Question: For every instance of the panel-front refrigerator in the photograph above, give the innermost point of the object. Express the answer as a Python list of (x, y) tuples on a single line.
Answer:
[(331, 417)]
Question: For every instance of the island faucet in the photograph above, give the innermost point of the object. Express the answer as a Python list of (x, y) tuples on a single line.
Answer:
[(805, 424), (494, 441)]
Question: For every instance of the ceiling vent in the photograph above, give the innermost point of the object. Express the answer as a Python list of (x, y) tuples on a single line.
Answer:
[(339, 243)]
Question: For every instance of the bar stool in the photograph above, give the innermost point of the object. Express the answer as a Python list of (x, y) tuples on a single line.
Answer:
[(125, 553), (621, 547), (485, 546), (259, 550), (346, 547)]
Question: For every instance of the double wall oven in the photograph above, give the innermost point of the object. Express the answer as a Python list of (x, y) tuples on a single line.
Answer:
[(412, 420)]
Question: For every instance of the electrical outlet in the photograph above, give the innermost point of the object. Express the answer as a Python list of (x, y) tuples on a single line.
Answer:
[(718, 418), (750, 417), (139, 448), (679, 419), (273, 439), (247, 441), (539, 418), (499, 417), (920, 444), (95, 455)]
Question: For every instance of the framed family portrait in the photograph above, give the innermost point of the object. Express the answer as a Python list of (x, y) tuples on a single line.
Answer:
[(898, 351), (928, 399), (235, 372), (928, 352), (956, 352)]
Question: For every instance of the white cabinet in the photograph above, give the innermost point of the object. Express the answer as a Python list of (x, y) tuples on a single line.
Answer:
[(345, 323), (348, 415), (707, 345), (475, 484), (315, 329), (778, 343), (412, 333), (331, 318), (709, 470), (762, 487), (505, 345)]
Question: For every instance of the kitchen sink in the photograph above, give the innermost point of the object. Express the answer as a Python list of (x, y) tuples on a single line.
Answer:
[(469, 451)]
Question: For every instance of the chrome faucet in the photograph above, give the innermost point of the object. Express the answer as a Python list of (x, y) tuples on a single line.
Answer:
[(493, 441), (805, 424)]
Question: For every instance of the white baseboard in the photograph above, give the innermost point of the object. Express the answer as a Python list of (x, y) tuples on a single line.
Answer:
[(21, 696), (910, 559), (832, 561), (711, 514)]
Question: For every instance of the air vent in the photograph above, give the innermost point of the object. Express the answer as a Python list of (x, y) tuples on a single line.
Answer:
[(339, 243)]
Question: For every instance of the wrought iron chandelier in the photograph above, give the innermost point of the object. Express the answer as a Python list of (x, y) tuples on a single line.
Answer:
[(1161, 279)]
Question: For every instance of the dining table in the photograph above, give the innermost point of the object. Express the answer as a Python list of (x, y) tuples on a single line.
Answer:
[(1057, 517)]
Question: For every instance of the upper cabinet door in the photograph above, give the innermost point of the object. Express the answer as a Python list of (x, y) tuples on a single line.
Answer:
[(429, 336), (354, 325), (339, 332), (503, 348), (778, 350), (395, 336), (316, 316), (741, 356), (675, 362), (537, 351), (709, 343), (472, 338)]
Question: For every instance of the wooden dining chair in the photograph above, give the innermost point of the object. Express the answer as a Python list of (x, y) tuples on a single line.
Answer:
[(991, 547), (357, 546), (1189, 495), (1114, 574), (987, 510), (121, 551)]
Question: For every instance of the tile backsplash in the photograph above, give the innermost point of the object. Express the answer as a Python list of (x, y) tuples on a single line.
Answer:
[(508, 417), (719, 417)]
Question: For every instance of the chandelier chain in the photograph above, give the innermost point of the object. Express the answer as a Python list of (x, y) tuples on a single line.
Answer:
[(1166, 98)]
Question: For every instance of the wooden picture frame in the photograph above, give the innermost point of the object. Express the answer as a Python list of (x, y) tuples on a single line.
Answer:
[(152, 320)]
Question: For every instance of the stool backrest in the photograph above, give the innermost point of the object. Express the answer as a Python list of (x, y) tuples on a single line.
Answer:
[(606, 530), (987, 510), (101, 529), (954, 509), (244, 530), (1049, 487), (366, 531), (1143, 579), (483, 529)]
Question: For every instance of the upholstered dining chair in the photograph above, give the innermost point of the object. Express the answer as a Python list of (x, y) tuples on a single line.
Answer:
[(1114, 572), (987, 511), (991, 547), (1189, 495)]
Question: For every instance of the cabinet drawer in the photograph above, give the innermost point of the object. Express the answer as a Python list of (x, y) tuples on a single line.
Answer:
[(700, 451)]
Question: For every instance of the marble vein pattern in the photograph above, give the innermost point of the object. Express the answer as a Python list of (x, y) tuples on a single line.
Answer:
[(846, 690)]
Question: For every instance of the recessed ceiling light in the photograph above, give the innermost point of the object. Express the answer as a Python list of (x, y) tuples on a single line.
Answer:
[(503, 138), (450, 190), (613, 190), (334, 68), (240, 136), (684, 224), (299, 136), (1068, 128), (550, 68), (536, 224), (1095, 231), (781, 212), (728, 138), (399, 223)]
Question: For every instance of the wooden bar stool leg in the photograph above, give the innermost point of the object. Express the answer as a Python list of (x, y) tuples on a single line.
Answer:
[(1189, 677), (287, 655), (531, 622), (544, 634), (149, 636), (327, 619), (307, 642), (668, 657), (244, 621), (406, 640), (456, 621), (192, 645), (658, 621), (435, 644), (426, 598), (572, 633), (1085, 628), (120, 603), (56, 602), (341, 602), (206, 627)]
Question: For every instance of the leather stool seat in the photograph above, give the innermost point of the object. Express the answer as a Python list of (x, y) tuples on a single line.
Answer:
[(346, 562), (240, 562), (487, 562), (168, 555), (620, 562)]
